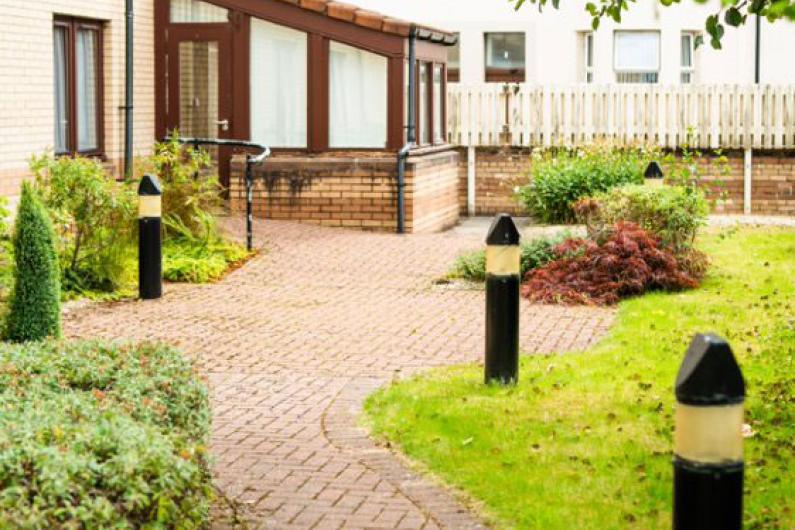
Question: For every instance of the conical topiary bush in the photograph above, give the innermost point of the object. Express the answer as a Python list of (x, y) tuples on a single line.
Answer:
[(35, 309)]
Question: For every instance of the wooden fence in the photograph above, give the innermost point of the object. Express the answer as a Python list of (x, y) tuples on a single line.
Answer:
[(703, 116)]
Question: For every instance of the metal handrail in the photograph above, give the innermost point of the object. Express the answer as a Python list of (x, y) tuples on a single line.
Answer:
[(251, 160)]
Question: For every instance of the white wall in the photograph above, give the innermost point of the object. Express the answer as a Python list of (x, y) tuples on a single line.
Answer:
[(554, 53)]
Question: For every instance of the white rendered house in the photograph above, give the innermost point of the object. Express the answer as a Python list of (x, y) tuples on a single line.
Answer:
[(653, 44)]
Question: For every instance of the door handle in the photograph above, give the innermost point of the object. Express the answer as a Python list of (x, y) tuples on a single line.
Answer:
[(223, 124)]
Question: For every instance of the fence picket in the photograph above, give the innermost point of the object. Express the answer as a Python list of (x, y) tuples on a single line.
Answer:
[(719, 116)]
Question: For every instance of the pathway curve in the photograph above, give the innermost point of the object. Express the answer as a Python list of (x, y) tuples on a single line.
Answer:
[(293, 342)]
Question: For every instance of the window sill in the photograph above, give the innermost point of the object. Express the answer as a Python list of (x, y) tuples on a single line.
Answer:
[(500, 75)]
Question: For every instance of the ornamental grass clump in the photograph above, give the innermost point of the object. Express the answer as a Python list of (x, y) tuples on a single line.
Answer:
[(35, 307), (628, 262), (102, 436)]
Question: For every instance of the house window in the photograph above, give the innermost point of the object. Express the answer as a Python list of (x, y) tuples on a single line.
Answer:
[(196, 11), (357, 98), (637, 56), (77, 50), (278, 85), (454, 61), (688, 58), (438, 105), (424, 105), (505, 54), (588, 69)]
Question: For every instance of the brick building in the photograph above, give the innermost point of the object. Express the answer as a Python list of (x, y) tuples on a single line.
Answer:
[(324, 84), (36, 39)]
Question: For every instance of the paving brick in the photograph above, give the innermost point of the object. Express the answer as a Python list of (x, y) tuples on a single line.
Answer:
[(292, 343)]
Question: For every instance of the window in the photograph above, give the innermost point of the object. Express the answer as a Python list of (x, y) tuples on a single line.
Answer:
[(278, 85), (637, 56), (454, 61), (588, 70), (77, 74), (196, 11), (688, 58), (438, 108), (424, 105), (358, 81), (505, 57)]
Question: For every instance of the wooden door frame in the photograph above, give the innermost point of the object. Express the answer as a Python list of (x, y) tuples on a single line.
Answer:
[(222, 34)]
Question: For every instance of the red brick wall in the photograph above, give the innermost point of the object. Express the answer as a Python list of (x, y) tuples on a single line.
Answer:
[(499, 171), (357, 190)]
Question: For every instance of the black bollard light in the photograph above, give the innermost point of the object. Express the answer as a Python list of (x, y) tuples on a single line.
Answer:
[(654, 174), (708, 440), (150, 245), (503, 269)]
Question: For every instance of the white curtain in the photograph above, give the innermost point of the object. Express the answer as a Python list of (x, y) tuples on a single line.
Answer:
[(61, 110), (437, 104), (637, 51), (87, 94), (358, 98), (278, 85), (196, 11), (425, 119)]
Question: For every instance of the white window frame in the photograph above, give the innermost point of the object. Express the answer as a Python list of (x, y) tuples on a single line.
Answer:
[(588, 53), (644, 75), (688, 72)]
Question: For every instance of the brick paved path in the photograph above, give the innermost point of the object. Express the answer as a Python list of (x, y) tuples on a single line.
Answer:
[(294, 341)]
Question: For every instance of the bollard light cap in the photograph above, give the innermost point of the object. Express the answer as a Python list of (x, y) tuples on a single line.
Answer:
[(654, 171), (149, 186), (503, 231), (710, 375)]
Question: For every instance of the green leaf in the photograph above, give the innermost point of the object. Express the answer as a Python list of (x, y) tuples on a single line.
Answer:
[(733, 17)]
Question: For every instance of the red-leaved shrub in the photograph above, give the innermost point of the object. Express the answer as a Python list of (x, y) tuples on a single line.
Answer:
[(629, 262)]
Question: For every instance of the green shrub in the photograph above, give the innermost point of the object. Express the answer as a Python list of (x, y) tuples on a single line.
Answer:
[(101, 436), (560, 177), (35, 308), (536, 253), (189, 201), (672, 213), (95, 219)]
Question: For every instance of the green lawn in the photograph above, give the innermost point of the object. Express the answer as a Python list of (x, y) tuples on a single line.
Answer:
[(584, 441)]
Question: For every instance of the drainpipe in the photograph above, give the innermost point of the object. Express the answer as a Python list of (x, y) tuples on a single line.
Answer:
[(128, 96), (411, 134)]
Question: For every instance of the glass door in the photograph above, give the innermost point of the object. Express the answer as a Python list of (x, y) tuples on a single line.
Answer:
[(199, 98)]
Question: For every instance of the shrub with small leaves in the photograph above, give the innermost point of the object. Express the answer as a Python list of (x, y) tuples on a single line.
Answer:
[(560, 177), (94, 218), (35, 308), (102, 436), (674, 214)]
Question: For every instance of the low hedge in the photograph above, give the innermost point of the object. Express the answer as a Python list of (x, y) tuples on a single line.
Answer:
[(102, 436)]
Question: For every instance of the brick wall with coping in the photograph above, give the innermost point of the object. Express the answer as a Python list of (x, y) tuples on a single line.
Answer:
[(499, 170), (356, 190), (27, 101)]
